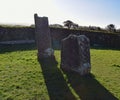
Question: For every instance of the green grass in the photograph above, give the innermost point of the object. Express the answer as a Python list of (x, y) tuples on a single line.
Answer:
[(22, 77), (106, 68)]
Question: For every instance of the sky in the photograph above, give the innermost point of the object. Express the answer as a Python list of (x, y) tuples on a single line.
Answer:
[(83, 12)]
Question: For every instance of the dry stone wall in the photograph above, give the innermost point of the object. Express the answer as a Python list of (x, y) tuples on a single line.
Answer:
[(57, 34), (96, 38), (19, 33)]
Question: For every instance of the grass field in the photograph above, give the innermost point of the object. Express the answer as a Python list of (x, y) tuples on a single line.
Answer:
[(22, 77)]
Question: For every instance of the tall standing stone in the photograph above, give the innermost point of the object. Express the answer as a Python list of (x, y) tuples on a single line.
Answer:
[(75, 54), (43, 37)]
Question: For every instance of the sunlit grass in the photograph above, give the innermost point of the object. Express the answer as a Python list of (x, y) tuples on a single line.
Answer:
[(23, 78), (106, 68)]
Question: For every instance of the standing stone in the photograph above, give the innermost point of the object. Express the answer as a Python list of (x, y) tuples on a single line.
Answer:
[(43, 38), (75, 54)]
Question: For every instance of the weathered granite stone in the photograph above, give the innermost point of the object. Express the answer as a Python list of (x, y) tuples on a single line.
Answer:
[(43, 38), (75, 54)]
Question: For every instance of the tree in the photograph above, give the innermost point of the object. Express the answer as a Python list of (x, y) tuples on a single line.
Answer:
[(75, 26), (68, 24), (111, 27)]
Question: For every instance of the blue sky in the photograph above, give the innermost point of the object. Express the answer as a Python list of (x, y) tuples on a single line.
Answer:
[(83, 12)]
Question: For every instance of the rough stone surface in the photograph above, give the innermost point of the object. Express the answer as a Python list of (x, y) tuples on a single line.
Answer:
[(75, 54), (43, 38)]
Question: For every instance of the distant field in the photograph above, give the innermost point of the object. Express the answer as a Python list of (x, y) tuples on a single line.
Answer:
[(23, 78)]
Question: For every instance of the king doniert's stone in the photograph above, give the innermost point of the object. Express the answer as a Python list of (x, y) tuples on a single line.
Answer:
[(75, 54)]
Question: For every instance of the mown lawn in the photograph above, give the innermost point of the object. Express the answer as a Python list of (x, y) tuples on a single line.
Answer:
[(22, 77)]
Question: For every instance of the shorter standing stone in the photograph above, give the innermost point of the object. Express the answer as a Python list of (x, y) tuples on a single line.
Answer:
[(75, 54)]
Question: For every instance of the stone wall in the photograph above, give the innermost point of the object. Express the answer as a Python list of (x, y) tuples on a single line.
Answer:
[(16, 33), (57, 34), (96, 38)]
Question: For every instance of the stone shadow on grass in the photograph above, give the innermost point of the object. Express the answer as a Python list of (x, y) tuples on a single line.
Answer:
[(88, 88), (55, 82)]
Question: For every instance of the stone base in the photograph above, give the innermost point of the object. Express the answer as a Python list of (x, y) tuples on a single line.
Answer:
[(46, 59), (81, 71)]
